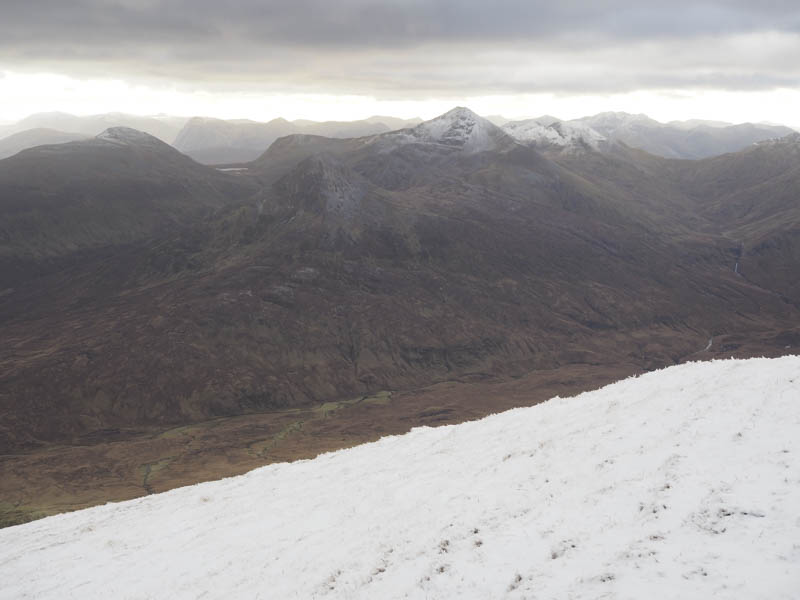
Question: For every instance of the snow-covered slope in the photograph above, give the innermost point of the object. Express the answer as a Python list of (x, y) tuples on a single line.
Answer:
[(683, 483), (125, 136), (458, 128), (558, 133)]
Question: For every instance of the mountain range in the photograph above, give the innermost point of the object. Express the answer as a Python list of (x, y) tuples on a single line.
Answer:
[(677, 139), (204, 139), (144, 292), (218, 141), (215, 141), (164, 127)]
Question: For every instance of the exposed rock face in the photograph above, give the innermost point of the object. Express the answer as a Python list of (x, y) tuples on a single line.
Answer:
[(322, 185)]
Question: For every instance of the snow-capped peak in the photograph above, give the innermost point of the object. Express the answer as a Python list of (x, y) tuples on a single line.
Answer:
[(461, 128), (126, 136)]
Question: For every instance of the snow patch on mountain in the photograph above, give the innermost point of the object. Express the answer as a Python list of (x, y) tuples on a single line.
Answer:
[(682, 483)]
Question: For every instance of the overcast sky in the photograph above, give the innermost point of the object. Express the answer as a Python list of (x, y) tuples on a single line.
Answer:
[(733, 60)]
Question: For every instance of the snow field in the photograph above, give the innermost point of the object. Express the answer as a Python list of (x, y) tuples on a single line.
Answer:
[(682, 483)]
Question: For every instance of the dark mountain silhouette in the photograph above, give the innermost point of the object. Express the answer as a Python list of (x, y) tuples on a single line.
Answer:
[(117, 187)]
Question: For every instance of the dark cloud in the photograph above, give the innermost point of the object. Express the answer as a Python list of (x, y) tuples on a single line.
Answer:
[(415, 46), (358, 23)]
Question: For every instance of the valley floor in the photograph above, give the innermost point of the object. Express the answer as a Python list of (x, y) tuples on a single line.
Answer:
[(682, 483), (120, 465)]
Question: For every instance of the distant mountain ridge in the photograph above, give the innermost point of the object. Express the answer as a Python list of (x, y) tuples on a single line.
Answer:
[(399, 159), (30, 138), (678, 139), (206, 139), (216, 141), (164, 127), (330, 268)]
